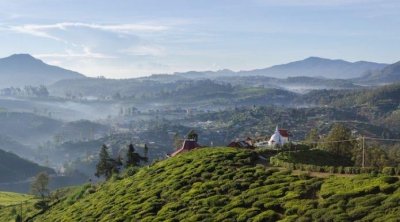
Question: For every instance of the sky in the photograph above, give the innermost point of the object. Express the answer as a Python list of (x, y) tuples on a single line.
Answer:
[(132, 38)]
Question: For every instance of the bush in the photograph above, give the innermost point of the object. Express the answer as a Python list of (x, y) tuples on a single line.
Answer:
[(390, 180), (389, 171), (266, 216)]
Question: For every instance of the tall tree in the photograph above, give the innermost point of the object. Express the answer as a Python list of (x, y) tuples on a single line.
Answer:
[(39, 186), (312, 137), (133, 158), (339, 141), (106, 165)]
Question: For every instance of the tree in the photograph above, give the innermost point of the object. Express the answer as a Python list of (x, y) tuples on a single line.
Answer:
[(40, 184), (375, 156), (133, 158), (339, 141), (106, 165), (192, 135), (312, 137), (39, 187)]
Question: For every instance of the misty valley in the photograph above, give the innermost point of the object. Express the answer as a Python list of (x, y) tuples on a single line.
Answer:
[(60, 127)]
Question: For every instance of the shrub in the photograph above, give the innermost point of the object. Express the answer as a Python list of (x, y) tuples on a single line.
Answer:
[(266, 216), (390, 180), (389, 171), (305, 176)]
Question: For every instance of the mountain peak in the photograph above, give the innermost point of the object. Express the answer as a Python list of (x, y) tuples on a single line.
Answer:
[(23, 69), (23, 57), (320, 59), (315, 58)]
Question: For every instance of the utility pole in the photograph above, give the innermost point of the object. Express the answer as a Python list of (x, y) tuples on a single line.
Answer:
[(363, 151), (21, 212)]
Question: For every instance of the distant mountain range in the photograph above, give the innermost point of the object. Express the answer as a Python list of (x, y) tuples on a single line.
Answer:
[(310, 67), (22, 69), (320, 67), (389, 74)]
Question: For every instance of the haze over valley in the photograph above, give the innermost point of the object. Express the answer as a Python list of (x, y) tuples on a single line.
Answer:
[(199, 111)]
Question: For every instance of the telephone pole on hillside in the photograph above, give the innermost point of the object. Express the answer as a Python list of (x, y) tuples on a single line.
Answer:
[(363, 151)]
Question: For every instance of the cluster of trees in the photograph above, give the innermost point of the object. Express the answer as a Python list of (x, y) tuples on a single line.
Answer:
[(107, 166), (32, 91), (340, 141)]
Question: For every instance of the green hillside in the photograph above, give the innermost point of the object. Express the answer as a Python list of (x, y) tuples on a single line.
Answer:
[(225, 184), (14, 168), (9, 198), (10, 205)]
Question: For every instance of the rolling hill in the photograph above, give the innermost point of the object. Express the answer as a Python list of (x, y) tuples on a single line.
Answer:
[(10, 145), (28, 128), (226, 184), (13, 168), (389, 74), (22, 69)]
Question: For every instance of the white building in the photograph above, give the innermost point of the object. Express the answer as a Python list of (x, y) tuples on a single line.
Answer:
[(280, 137)]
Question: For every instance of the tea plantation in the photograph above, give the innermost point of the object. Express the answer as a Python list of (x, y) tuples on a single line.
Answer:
[(226, 184), (10, 205)]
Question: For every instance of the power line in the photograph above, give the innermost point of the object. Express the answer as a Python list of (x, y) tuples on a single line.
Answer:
[(382, 139), (355, 139), (335, 141)]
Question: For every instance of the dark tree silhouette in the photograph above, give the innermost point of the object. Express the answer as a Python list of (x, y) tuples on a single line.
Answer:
[(133, 158), (107, 165)]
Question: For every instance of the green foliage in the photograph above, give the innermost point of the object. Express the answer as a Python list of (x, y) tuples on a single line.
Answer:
[(312, 137), (226, 184), (313, 157), (40, 184), (133, 158), (9, 198), (322, 161), (10, 205), (389, 171), (106, 165), (339, 133)]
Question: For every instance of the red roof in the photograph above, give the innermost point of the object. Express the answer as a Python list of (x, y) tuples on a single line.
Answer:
[(186, 146), (284, 132), (240, 144)]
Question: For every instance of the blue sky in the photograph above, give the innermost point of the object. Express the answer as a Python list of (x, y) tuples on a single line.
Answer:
[(122, 39)]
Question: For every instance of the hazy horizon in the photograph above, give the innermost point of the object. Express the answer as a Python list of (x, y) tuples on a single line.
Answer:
[(133, 39), (177, 72)]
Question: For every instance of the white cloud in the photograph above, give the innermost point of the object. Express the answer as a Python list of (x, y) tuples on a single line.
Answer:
[(124, 28), (86, 53), (42, 30)]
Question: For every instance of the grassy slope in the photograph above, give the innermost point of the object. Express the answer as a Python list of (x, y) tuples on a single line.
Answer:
[(224, 184), (10, 204), (9, 198)]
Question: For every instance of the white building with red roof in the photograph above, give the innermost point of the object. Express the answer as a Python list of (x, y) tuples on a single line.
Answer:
[(280, 137)]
